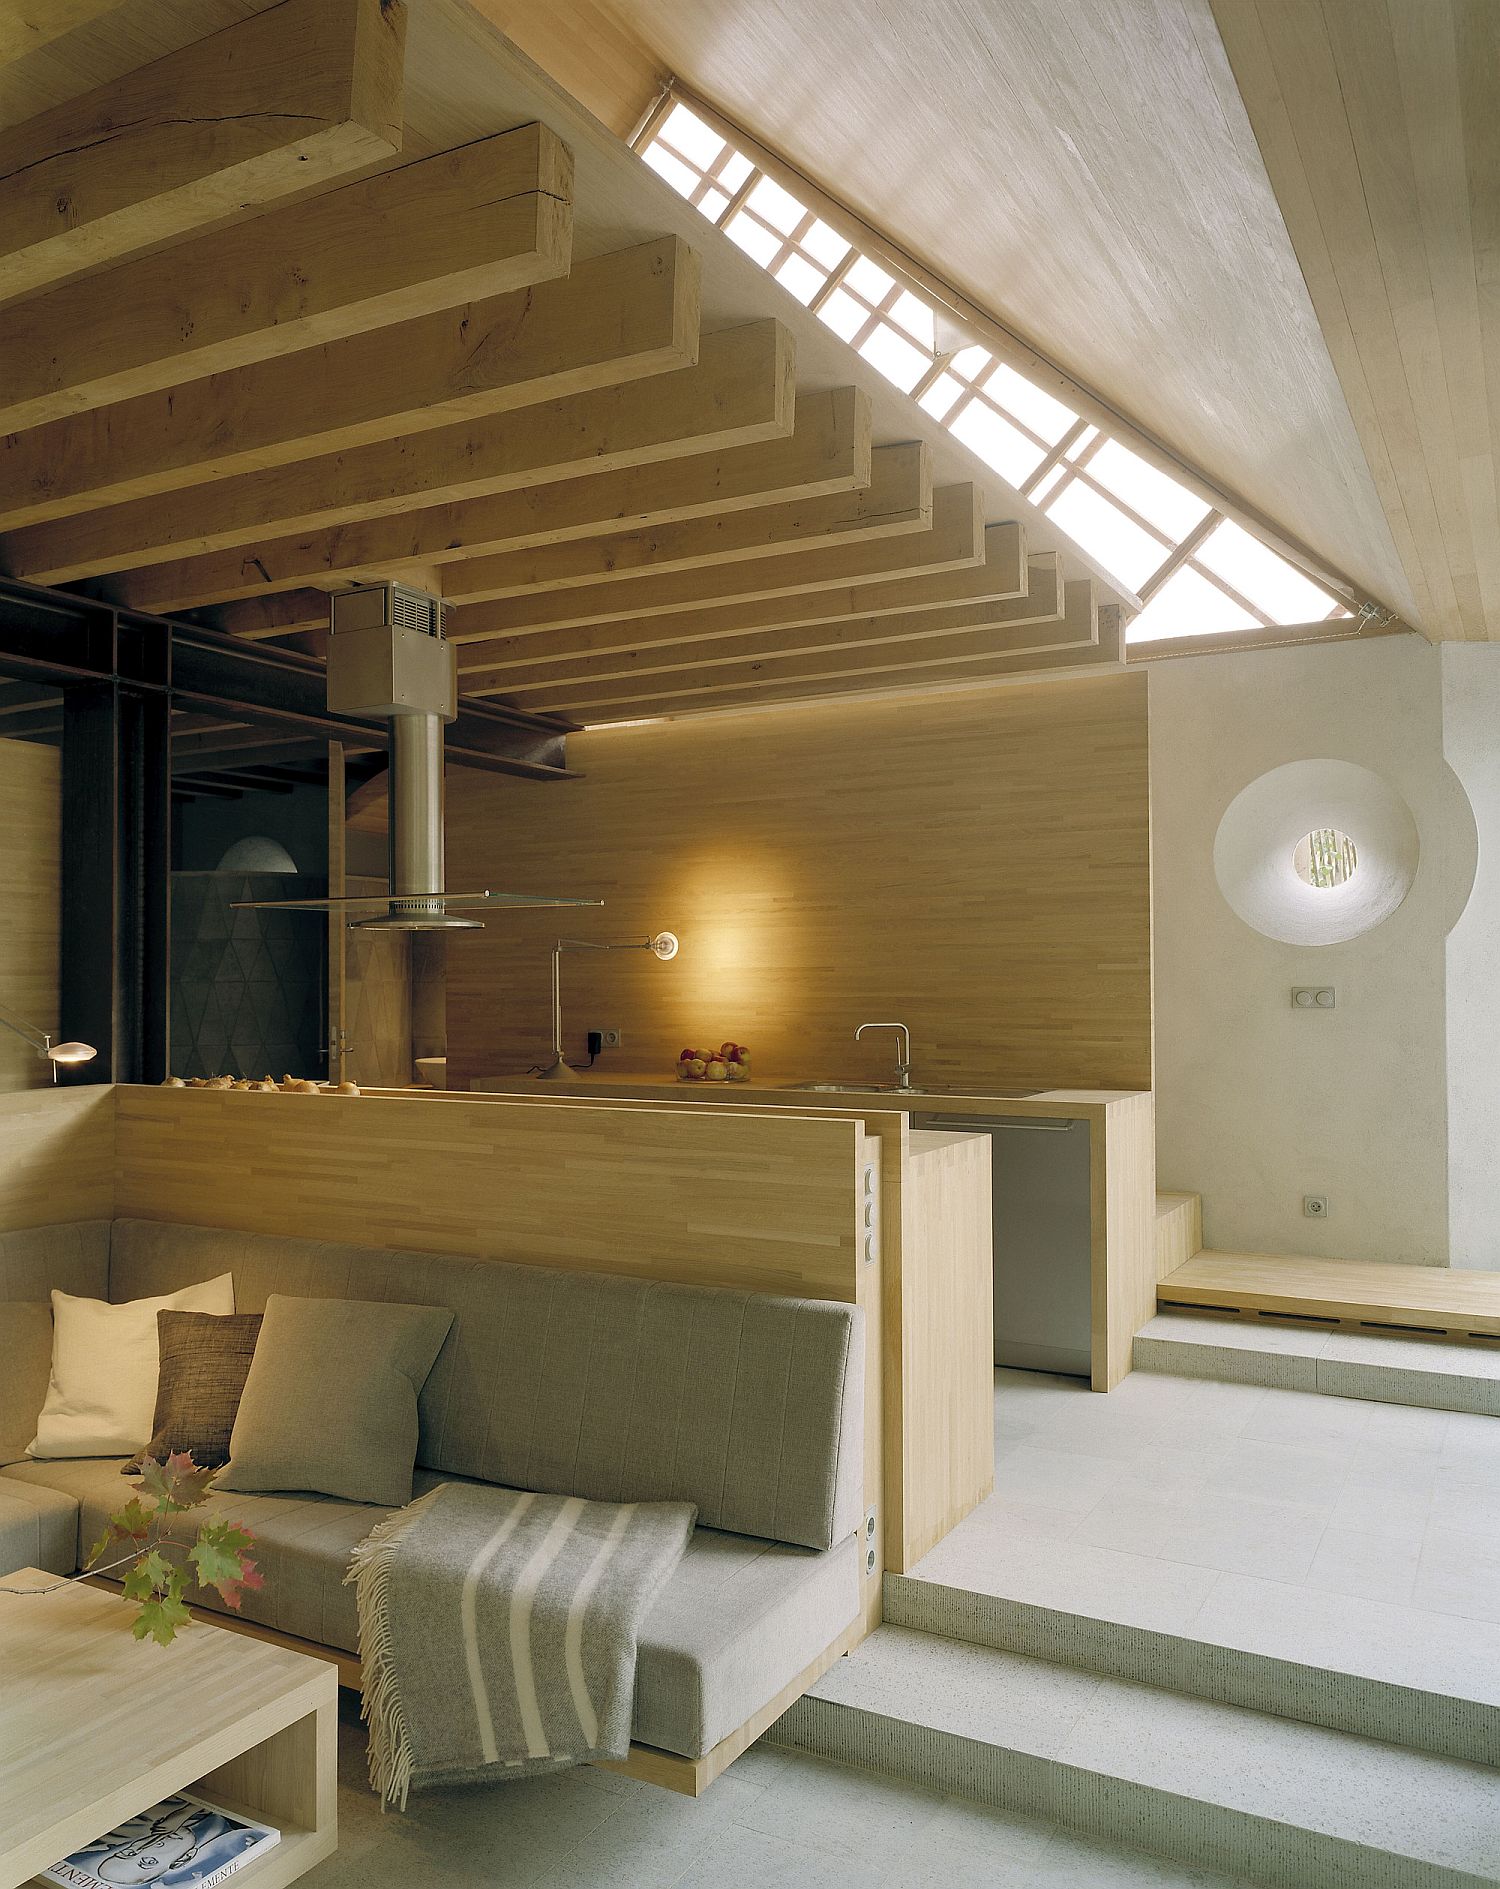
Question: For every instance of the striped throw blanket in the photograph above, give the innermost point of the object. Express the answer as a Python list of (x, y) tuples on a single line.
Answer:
[(498, 1630)]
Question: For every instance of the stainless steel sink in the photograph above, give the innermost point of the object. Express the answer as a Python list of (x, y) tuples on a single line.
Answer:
[(843, 1088)]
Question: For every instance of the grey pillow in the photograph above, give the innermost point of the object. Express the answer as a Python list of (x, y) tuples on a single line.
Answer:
[(25, 1367), (330, 1403)]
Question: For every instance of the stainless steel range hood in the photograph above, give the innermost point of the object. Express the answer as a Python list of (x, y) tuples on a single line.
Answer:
[(387, 655)]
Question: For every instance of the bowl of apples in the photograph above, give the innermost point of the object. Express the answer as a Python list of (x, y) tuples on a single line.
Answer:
[(730, 1062)]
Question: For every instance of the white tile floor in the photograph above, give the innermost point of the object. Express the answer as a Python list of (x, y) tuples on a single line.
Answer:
[(1181, 1499), (775, 1821)]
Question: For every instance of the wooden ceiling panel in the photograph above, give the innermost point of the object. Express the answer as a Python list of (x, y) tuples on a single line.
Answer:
[(616, 318), (1380, 130), (897, 500), (742, 390), (1088, 174), (26, 26), (827, 452), (493, 216), (301, 95)]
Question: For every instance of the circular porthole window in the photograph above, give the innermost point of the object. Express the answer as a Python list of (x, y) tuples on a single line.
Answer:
[(1325, 858), (1316, 852)]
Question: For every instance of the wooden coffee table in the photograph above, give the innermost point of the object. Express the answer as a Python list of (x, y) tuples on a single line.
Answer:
[(95, 1726)]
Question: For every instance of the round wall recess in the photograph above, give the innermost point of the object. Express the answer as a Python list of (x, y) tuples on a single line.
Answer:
[(1261, 852)]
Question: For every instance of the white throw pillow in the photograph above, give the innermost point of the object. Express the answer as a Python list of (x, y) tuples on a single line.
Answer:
[(105, 1362)]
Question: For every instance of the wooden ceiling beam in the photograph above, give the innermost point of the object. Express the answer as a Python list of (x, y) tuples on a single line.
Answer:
[(286, 100), (1002, 576), (28, 25), (742, 390), (489, 217), (911, 679), (1041, 609), (898, 500), (827, 452), (956, 537), (1075, 627), (616, 318)]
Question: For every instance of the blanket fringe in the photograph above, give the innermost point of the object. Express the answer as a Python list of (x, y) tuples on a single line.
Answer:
[(390, 1753)]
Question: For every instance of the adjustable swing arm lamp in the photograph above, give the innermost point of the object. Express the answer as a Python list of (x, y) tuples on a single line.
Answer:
[(662, 943), (41, 1042)]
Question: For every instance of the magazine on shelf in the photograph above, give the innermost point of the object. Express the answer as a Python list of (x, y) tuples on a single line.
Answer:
[(180, 1843)]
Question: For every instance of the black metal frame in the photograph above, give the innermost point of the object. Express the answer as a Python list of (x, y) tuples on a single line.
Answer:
[(121, 674)]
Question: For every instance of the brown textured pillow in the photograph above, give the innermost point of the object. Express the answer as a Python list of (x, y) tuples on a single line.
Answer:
[(205, 1359)]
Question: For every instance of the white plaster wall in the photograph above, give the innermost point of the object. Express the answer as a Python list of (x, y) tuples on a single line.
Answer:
[(1257, 1103), (1471, 740)]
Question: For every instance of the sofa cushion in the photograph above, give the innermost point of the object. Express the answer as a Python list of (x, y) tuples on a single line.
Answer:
[(38, 1529), (366, 1362), (72, 1258), (622, 1389), (736, 1623), (205, 1358)]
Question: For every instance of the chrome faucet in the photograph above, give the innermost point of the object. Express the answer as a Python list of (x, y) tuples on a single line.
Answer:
[(903, 1066)]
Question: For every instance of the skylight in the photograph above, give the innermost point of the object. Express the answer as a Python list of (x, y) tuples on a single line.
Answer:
[(1196, 572)]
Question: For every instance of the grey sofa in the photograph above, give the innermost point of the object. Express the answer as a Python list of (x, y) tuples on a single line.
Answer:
[(562, 1382)]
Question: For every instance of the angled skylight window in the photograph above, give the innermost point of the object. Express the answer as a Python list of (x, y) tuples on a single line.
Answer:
[(1196, 572)]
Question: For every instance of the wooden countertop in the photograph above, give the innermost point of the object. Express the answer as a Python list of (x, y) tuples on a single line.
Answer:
[(650, 1087)]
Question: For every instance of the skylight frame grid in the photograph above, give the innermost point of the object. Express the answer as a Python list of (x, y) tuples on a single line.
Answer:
[(1057, 457)]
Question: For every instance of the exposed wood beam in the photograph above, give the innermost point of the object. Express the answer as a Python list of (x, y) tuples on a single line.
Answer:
[(1076, 628), (827, 452), (486, 218), (613, 319), (1002, 576), (742, 390), (291, 98), (28, 25), (1040, 610), (260, 619), (898, 500), (956, 537), (918, 679)]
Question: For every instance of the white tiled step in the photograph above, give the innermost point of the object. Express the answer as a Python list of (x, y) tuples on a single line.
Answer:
[(1397, 1673), (1377, 1366), (1209, 1784)]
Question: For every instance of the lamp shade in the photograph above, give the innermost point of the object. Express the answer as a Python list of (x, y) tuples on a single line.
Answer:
[(665, 945), (70, 1052)]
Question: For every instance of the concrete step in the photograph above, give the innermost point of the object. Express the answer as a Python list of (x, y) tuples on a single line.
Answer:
[(1378, 1366), (1374, 1669), (1179, 1230), (1210, 1784)]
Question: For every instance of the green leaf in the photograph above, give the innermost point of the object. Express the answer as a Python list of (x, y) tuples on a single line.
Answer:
[(152, 1574), (160, 1619), (219, 1555), (178, 1483), (132, 1523)]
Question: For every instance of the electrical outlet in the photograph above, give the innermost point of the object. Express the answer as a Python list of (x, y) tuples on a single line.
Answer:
[(612, 1039), (1315, 1206), (1313, 997)]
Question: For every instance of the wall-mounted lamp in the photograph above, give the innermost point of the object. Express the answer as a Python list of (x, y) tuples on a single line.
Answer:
[(664, 945), (42, 1043)]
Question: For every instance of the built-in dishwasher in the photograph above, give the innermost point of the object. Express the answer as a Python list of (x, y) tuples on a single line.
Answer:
[(1040, 1198)]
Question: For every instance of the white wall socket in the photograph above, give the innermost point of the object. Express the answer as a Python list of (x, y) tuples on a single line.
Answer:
[(1312, 997), (1315, 1206), (612, 1039)]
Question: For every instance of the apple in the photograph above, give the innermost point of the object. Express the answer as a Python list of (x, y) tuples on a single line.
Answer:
[(687, 1055), (738, 1072), (697, 1066), (717, 1071)]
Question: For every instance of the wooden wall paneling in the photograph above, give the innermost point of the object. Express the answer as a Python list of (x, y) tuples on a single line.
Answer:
[(827, 452), (30, 911), (741, 391), (489, 217), (705, 670), (1124, 1231), (998, 575), (765, 1204), (616, 318), (955, 537), (940, 1349), (897, 501), (518, 662), (820, 869), (57, 1156), (287, 100)]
